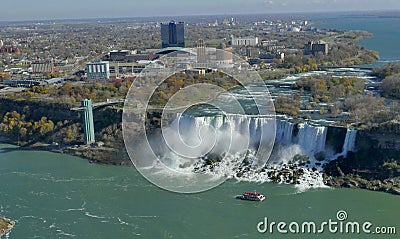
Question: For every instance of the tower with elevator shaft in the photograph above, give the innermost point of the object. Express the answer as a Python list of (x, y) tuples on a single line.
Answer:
[(88, 125)]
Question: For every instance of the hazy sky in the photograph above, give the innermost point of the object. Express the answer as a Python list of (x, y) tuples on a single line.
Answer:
[(62, 9)]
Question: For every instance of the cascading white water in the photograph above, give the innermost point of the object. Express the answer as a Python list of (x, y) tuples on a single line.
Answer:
[(312, 138), (239, 123), (284, 132), (236, 132), (349, 142)]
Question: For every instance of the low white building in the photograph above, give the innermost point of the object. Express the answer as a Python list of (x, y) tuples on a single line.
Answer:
[(98, 70), (244, 41)]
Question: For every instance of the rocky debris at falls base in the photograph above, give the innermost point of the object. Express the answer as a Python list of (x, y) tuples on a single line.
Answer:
[(242, 168), (5, 226), (297, 172)]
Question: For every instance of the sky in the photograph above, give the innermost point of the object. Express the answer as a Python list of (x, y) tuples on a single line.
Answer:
[(76, 9)]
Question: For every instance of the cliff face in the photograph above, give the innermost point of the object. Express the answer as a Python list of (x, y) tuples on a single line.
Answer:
[(34, 110), (335, 138), (376, 163), (375, 146)]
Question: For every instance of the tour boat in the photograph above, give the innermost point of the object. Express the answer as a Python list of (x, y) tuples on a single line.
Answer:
[(251, 196)]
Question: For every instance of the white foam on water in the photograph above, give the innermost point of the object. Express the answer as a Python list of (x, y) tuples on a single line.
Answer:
[(303, 139), (93, 216)]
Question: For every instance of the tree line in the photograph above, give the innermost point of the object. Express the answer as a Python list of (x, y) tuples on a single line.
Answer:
[(15, 126)]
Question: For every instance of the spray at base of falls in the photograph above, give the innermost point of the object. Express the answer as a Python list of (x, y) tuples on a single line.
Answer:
[(292, 160)]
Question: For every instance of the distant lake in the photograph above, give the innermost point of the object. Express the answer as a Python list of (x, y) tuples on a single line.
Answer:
[(386, 32)]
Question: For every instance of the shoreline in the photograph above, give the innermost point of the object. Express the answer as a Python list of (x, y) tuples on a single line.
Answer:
[(6, 225), (357, 182), (4, 139), (342, 181)]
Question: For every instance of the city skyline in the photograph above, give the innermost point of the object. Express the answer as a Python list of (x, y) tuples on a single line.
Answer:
[(74, 9)]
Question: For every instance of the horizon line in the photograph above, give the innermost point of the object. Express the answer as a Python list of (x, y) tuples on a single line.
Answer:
[(200, 15)]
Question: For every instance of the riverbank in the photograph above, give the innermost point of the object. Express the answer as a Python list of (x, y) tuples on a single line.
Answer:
[(6, 226), (93, 153), (391, 186)]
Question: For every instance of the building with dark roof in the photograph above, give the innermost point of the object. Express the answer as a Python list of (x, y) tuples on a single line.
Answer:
[(119, 55), (312, 48)]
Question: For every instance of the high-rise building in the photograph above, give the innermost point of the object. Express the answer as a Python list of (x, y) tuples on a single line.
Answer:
[(88, 125), (173, 34)]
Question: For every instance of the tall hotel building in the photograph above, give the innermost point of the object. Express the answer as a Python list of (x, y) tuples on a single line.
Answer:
[(173, 34)]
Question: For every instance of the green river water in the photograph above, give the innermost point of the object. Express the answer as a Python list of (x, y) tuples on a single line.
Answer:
[(59, 196)]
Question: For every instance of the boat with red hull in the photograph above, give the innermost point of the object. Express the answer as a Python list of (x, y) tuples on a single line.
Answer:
[(251, 196)]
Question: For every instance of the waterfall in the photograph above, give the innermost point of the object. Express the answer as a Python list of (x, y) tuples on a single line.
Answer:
[(241, 128), (237, 141), (312, 138), (349, 142), (284, 132), (238, 123)]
